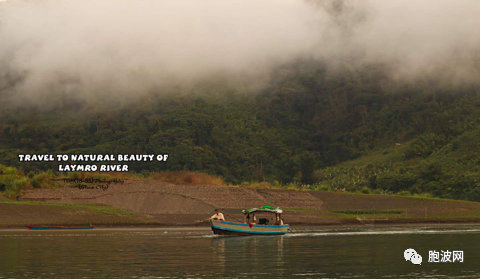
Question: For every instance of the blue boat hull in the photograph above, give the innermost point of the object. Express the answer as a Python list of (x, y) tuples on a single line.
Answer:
[(230, 228)]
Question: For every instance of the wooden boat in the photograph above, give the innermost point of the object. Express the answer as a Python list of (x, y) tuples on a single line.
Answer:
[(250, 226), (59, 228)]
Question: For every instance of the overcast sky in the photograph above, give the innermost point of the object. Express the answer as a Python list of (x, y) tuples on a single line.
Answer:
[(87, 47)]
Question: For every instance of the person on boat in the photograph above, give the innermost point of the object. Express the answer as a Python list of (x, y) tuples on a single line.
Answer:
[(218, 215), (279, 221)]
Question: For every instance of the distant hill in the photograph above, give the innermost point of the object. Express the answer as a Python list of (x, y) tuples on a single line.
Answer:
[(309, 125)]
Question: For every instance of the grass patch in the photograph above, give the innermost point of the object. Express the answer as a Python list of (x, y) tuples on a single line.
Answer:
[(277, 185), (301, 208), (423, 197), (392, 155), (368, 214), (369, 211), (93, 208)]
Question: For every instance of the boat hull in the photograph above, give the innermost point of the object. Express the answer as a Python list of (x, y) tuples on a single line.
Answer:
[(230, 228), (58, 228)]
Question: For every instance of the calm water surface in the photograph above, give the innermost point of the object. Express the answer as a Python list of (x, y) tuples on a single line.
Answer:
[(366, 252)]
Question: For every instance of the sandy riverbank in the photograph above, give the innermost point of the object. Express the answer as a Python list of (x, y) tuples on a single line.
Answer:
[(156, 203)]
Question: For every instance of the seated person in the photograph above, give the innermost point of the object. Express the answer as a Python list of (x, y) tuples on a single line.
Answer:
[(218, 216)]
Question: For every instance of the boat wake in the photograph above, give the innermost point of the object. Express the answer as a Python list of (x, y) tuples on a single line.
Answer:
[(298, 234)]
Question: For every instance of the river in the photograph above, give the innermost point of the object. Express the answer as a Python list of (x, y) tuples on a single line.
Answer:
[(361, 252)]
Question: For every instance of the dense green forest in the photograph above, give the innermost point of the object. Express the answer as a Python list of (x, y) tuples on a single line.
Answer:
[(352, 128)]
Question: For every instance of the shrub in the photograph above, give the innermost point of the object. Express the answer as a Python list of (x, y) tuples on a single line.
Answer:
[(13, 184), (366, 190), (396, 182), (323, 187), (404, 193), (424, 195), (41, 180), (13, 181), (425, 145)]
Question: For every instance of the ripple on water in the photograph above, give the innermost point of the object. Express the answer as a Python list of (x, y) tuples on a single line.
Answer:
[(323, 253)]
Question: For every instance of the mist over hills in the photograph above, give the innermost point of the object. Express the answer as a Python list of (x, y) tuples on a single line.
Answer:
[(90, 50), (286, 91)]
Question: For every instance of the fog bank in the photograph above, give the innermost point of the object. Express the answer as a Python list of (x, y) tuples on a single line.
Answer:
[(51, 49)]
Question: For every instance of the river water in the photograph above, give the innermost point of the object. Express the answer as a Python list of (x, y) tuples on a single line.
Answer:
[(362, 252)]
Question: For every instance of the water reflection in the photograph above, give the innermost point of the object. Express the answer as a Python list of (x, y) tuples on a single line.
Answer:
[(217, 247), (148, 254), (250, 255)]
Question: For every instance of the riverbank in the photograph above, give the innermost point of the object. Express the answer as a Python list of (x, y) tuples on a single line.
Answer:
[(294, 229), (160, 204)]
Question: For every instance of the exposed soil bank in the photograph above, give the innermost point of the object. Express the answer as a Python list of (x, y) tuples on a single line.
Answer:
[(166, 204)]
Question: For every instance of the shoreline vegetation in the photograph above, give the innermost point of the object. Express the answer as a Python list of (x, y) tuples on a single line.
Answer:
[(45, 199), (14, 180), (18, 214)]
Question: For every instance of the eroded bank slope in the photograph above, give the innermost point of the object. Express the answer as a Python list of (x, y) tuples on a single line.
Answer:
[(173, 204)]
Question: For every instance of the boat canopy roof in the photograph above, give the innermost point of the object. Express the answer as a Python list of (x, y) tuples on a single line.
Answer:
[(276, 210)]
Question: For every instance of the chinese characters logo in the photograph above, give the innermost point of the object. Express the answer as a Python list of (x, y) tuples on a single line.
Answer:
[(445, 256)]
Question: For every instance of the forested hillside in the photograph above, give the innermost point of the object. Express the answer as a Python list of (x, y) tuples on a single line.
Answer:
[(304, 126)]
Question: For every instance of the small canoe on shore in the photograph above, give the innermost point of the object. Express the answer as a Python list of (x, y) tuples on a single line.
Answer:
[(59, 228)]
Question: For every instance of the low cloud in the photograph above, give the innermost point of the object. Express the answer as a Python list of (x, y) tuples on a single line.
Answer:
[(90, 49)]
